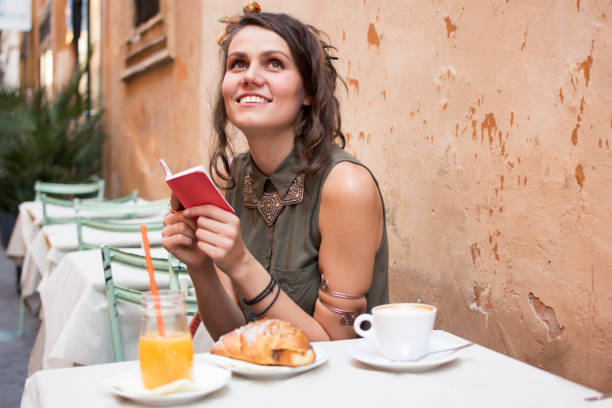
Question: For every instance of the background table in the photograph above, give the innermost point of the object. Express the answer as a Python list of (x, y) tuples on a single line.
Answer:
[(75, 314), (479, 378), (40, 248)]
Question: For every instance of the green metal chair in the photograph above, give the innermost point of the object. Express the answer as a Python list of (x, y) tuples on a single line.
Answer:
[(109, 209), (94, 188), (116, 293), (47, 200), (112, 226)]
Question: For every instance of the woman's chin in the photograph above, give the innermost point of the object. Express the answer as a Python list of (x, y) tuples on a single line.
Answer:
[(255, 128)]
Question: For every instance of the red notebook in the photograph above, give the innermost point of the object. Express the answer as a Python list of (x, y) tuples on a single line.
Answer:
[(194, 187)]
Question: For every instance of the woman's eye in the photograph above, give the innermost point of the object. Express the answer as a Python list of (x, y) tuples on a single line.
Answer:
[(237, 64), (275, 64)]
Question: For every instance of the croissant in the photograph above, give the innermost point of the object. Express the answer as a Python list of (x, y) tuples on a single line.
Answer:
[(266, 342)]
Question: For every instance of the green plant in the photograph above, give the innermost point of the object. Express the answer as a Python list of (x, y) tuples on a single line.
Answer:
[(46, 139)]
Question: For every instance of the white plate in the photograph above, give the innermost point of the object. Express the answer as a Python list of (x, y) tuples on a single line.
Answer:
[(207, 378), (250, 370), (365, 351)]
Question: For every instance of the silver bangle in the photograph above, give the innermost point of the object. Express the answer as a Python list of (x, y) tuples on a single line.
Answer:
[(347, 318), (325, 289)]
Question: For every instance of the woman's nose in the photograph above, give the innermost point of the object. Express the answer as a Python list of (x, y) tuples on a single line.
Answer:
[(252, 75)]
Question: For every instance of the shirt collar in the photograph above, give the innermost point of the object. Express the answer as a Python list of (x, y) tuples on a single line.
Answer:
[(281, 178)]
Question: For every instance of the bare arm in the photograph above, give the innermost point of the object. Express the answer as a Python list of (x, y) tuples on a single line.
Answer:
[(217, 301), (351, 225)]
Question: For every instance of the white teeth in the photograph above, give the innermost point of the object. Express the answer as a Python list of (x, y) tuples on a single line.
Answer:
[(252, 98)]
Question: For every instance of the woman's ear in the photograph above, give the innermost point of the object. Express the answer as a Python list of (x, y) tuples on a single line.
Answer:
[(307, 100)]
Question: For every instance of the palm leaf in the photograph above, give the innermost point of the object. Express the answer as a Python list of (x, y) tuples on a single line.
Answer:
[(46, 139)]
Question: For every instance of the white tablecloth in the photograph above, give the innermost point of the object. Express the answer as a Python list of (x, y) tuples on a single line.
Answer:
[(62, 238), (27, 249), (39, 248), (479, 378), (76, 325), (34, 209)]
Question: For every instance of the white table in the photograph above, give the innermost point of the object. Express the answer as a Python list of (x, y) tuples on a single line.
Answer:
[(35, 210), (479, 378), (62, 239), (75, 315), (23, 246), (40, 248)]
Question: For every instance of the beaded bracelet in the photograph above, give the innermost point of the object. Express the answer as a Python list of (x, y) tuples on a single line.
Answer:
[(268, 289), (270, 305)]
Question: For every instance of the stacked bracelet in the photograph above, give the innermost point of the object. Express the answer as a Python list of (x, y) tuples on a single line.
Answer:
[(270, 305), (347, 319), (267, 290)]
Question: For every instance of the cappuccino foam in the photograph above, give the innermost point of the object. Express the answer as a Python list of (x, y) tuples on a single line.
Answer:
[(403, 309)]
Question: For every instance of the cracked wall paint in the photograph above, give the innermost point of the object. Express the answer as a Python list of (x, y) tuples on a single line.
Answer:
[(547, 316), (373, 38), (451, 28), (580, 175)]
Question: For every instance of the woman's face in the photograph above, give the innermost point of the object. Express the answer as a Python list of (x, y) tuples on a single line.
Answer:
[(262, 88)]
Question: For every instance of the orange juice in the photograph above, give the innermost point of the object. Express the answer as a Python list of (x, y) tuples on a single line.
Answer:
[(165, 359)]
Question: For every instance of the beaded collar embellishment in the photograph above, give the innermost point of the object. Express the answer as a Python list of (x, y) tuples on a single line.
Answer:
[(270, 205)]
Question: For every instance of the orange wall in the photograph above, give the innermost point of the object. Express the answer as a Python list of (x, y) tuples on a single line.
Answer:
[(156, 114), (488, 124)]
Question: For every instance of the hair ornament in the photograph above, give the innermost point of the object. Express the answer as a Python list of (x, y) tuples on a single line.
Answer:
[(227, 20), (251, 7), (223, 35)]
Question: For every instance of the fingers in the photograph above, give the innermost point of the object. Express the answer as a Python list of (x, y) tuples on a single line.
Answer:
[(210, 211), (175, 204), (172, 218), (214, 239), (230, 229), (180, 228), (217, 233), (178, 217), (215, 253), (177, 232), (174, 241)]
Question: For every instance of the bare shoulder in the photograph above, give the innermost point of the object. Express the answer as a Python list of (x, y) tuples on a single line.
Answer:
[(350, 184)]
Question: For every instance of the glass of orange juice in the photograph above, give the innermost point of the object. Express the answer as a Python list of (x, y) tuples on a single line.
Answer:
[(165, 353)]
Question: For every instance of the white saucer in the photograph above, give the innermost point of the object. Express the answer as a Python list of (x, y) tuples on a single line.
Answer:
[(365, 352), (207, 378), (250, 370)]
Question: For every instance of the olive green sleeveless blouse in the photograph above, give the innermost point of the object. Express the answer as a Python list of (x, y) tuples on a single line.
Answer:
[(281, 227)]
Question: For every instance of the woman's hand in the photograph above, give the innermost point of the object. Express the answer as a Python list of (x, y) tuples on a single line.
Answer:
[(178, 237), (218, 236)]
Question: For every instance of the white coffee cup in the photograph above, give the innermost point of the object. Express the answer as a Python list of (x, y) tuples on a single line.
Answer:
[(400, 331)]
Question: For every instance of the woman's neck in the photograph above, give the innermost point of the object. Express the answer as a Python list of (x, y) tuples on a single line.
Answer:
[(269, 150)]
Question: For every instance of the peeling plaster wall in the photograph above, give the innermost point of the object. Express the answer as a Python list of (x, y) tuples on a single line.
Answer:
[(488, 124), (157, 113)]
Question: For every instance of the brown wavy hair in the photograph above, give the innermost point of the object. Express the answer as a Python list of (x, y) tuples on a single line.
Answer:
[(317, 126)]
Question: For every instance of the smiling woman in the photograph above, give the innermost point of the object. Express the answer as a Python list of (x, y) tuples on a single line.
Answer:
[(262, 87), (289, 251)]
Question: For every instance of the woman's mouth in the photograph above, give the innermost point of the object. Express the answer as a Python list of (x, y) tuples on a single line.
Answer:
[(252, 99)]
